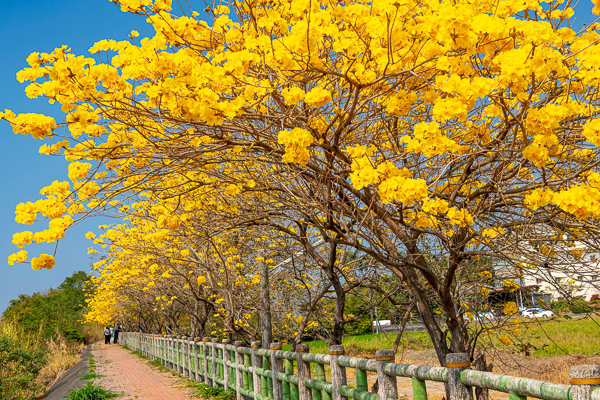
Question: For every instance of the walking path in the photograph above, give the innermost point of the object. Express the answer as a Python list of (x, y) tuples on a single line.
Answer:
[(131, 375)]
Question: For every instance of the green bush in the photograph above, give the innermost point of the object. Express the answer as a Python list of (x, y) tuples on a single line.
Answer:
[(19, 366), (56, 312), (577, 306), (360, 327)]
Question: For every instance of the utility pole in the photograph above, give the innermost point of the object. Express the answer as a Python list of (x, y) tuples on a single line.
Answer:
[(266, 325)]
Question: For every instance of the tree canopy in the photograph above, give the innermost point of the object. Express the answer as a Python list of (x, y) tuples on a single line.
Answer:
[(424, 134)]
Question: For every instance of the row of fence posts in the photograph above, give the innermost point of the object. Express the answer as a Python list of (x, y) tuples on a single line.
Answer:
[(262, 374)]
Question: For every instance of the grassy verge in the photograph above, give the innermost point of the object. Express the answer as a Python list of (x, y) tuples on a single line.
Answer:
[(90, 392), (563, 337), (365, 344), (203, 391), (30, 363), (549, 338)]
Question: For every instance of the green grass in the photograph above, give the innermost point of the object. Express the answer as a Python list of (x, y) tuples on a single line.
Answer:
[(562, 337), (204, 391), (92, 373), (137, 353), (90, 392), (158, 364), (543, 339), (367, 344)]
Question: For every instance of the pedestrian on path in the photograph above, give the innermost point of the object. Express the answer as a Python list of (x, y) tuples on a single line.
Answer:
[(111, 333), (117, 328), (106, 335)]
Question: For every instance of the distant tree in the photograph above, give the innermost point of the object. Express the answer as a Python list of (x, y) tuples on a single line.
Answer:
[(54, 312)]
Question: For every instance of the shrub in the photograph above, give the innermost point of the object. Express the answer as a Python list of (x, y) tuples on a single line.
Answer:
[(360, 327), (19, 368)]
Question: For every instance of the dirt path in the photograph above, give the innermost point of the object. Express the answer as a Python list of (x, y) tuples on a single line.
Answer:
[(131, 375)]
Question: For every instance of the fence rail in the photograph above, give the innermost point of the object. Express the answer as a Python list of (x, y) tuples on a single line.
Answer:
[(261, 374)]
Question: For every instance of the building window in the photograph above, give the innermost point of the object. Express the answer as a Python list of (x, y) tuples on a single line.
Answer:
[(538, 281), (594, 278)]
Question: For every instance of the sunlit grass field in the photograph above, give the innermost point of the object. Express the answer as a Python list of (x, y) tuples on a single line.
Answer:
[(549, 338)]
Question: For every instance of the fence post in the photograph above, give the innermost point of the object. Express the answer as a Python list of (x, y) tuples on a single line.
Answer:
[(182, 346), (456, 363), (256, 364), (172, 352), (388, 387), (190, 347), (226, 359), (205, 350), (320, 394), (239, 377), (338, 373), (163, 350), (179, 355), (276, 367), (303, 372), (215, 353), (266, 384), (167, 352), (184, 366), (419, 389), (584, 379), (196, 359), (151, 346), (172, 349)]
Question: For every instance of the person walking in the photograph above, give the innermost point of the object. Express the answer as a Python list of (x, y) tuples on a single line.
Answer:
[(111, 332), (106, 335), (117, 329)]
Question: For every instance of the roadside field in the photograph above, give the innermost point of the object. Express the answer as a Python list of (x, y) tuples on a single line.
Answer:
[(544, 338)]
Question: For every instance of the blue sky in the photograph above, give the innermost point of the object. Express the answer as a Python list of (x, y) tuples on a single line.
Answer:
[(25, 27), (38, 25)]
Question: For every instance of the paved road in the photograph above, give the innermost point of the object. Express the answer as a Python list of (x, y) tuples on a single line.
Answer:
[(407, 328)]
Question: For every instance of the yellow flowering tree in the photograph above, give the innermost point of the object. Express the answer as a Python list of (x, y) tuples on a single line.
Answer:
[(399, 128)]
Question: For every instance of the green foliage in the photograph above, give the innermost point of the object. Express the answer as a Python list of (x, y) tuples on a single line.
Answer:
[(90, 392), (19, 366), (137, 353), (204, 391), (90, 375), (364, 345), (156, 363), (540, 339), (577, 306), (53, 313), (562, 337), (360, 327)]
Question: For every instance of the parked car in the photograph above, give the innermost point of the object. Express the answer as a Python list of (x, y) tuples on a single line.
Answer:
[(537, 312), (482, 316)]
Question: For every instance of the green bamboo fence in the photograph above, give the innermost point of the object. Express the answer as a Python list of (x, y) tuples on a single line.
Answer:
[(263, 374)]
